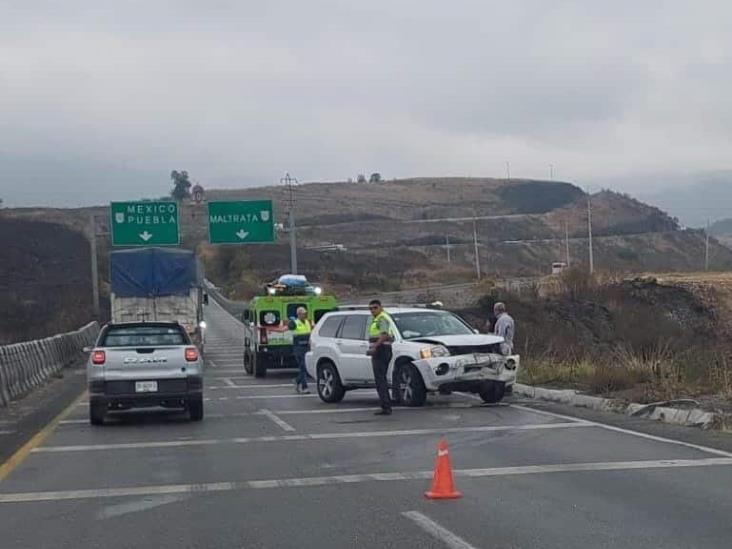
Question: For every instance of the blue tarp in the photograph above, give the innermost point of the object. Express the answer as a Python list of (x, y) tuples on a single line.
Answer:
[(153, 272)]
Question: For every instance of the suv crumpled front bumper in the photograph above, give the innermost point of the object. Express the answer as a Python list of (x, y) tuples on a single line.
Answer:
[(463, 371)]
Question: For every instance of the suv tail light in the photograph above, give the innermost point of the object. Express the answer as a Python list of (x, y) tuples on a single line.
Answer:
[(191, 354), (99, 357), (263, 336)]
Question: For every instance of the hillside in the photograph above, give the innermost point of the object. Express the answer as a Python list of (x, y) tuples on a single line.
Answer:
[(393, 234), (45, 283)]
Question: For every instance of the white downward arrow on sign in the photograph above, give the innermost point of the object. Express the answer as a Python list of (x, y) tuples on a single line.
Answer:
[(146, 236), (242, 234)]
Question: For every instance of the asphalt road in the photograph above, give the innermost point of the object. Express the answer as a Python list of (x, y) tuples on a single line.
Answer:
[(268, 468)]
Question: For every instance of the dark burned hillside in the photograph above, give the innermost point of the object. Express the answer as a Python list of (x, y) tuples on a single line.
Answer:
[(44, 280)]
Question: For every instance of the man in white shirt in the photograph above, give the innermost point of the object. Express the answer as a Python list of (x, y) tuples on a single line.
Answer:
[(504, 327)]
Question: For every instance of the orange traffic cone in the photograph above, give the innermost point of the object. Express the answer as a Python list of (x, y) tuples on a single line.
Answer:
[(443, 485)]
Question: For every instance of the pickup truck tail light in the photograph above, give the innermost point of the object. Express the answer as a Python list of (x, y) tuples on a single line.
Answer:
[(99, 357), (191, 354), (263, 336)]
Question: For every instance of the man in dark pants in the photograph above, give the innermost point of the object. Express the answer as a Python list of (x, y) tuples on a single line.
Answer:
[(301, 328), (380, 338)]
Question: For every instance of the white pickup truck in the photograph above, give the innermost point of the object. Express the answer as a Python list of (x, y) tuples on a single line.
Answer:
[(433, 351)]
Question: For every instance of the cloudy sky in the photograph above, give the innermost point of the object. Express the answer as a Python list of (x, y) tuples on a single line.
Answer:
[(99, 100)]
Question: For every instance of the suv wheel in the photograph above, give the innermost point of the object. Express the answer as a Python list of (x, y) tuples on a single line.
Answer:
[(195, 408), (412, 391), (97, 412), (248, 362), (330, 388), (491, 391)]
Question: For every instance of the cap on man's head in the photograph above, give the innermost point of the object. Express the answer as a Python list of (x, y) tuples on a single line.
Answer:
[(302, 310), (499, 307)]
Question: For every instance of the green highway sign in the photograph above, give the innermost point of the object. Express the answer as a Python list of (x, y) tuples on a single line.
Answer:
[(242, 222), (144, 223)]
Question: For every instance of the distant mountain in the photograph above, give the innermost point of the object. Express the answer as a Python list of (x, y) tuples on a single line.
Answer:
[(695, 198)]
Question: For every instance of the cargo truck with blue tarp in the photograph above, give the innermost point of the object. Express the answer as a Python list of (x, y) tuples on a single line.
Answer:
[(159, 284)]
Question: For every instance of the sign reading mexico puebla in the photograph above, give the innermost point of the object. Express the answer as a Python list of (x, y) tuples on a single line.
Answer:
[(144, 223), (242, 222)]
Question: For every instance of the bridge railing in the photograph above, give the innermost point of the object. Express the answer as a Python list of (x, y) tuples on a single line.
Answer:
[(24, 366), (234, 308)]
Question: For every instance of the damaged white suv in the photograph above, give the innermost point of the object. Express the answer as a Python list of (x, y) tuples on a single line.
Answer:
[(433, 351)]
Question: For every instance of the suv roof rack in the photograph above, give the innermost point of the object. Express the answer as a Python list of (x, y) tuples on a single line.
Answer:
[(358, 307)]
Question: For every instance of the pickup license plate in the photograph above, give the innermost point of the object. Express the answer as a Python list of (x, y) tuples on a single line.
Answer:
[(146, 386)]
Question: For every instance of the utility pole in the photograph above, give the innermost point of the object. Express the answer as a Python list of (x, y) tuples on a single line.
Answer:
[(447, 247), (475, 247), (589, 231), (706, 248), (94, 263), (566, 240), (291, 182), (508, 169)]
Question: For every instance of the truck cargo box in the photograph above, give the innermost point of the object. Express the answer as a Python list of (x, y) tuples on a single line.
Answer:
[(154, 272)]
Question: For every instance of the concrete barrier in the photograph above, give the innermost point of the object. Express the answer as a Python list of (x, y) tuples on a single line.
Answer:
[(24, 366), (691, 417)]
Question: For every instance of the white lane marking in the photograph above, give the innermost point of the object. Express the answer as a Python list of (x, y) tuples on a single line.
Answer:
[(252, 397), (279, 421), (209, 362), (208, 416), (202, 488), (338, 410), (145, 504), (229, 382), (451, 540), (655, 438), (304, 437), (251, 386), (344, 410), (7, 432)]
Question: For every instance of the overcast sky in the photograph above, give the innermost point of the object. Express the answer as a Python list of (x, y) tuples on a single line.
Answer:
[(101, 100)]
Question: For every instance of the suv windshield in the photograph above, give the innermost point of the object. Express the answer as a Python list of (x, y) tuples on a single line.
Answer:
[(138, 336), (431, 323)]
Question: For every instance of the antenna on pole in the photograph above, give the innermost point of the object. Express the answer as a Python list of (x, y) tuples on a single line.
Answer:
[(290, 182), (475, 248), (706, 248), (589, 231)]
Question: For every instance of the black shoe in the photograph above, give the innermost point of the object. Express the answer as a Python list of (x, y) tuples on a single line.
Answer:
[(383, 412)]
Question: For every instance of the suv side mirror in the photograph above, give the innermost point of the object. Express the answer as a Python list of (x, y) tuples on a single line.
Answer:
[(476, 331)]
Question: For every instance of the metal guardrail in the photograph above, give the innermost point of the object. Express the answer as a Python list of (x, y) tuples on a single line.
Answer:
[(24, 366), (234, 308)]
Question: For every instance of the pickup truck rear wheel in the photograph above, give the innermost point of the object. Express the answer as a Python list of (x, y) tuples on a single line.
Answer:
[(412, 391), (195, 408), (491, 391), (97, 412), (330, 388)]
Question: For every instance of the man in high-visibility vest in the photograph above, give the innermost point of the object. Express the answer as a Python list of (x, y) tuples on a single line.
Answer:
[(381, 335), (301, 328)]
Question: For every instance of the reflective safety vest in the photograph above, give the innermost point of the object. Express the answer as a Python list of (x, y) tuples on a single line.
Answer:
[(374, 329), (302, 328)]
